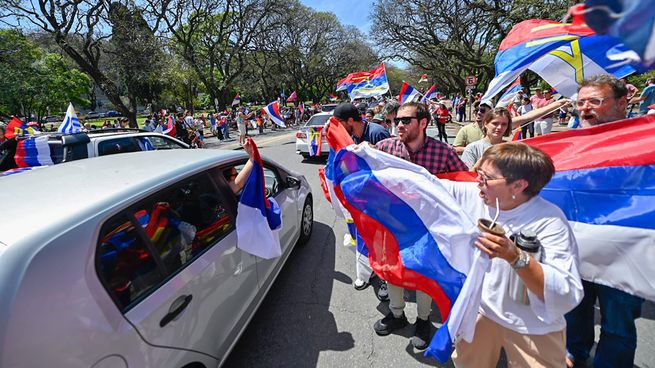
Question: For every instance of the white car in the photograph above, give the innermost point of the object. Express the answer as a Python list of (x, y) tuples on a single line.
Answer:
[(131, 261), (317, 120)]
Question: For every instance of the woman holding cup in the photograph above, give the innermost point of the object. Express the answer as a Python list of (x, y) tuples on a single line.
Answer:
[(530, 329)]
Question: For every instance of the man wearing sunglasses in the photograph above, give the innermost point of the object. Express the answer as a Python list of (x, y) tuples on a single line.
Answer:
[(472, 132), (602, 99), (413, 144)]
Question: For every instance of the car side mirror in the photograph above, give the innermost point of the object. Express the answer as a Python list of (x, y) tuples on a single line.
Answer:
[(293, 182)]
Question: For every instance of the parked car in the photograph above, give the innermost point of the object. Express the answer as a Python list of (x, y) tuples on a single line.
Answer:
[(317, 120), (328, 107), (132, 260), (52, 119), (112, 114), (95, 115)]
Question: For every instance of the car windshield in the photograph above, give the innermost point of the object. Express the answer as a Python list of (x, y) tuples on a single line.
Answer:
[(318, 120)]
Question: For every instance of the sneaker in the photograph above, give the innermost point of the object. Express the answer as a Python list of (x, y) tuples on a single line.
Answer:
[(389, 323), (421, 336), (360, 284), (383, 292)]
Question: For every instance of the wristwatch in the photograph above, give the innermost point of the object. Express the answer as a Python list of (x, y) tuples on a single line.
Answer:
[(522, 261)]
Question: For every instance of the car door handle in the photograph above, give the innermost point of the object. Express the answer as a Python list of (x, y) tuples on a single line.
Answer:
[(177, 307)]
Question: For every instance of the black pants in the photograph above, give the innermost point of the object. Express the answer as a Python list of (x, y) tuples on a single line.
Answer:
[(442, 132)]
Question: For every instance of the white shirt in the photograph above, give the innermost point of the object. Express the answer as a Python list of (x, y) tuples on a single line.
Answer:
[(559, 260)]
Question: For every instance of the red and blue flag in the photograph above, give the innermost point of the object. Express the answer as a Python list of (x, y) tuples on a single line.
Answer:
[(407, 93), (430, 94), (259, 219), (273, 111), (170, 126), (33, 152)]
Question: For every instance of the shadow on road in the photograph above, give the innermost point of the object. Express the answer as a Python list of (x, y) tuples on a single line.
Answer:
[(294, 324)]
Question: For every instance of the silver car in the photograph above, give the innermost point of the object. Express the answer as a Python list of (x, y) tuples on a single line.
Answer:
[(317, 120), (131, 260)]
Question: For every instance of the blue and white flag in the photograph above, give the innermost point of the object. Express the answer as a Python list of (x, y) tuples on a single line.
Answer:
[(71, 123), (259, 219)]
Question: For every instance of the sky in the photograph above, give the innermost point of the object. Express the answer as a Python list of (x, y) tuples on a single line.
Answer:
[(353, 12)]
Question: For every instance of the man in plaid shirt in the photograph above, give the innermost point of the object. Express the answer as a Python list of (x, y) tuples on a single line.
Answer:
[(413, 144)]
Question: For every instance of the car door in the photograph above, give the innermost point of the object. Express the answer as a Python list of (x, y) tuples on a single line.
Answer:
[(193, 288), (286, 200)]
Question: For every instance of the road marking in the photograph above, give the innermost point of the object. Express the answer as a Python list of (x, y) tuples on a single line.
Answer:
[(261, 143)]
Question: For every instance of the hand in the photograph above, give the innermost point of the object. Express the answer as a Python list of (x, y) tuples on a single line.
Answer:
[(497, 246), (247, 147)]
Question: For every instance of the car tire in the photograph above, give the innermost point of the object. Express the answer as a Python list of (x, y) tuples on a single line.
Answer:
[(306, 221)]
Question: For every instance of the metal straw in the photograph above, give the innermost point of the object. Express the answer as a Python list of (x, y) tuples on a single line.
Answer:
[(497, 214)]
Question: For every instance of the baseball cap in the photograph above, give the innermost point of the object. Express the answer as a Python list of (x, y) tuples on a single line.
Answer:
[(487, 103), (378, 117), (346, 110)]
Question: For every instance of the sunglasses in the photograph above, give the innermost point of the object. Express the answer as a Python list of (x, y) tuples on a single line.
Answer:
[(481, 110), (406, 120)]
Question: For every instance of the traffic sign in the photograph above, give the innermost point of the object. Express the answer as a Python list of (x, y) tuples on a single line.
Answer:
[(471, 80)]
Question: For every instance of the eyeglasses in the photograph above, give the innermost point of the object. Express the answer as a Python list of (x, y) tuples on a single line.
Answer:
[(406, 120), (593, 102), (485, 178)]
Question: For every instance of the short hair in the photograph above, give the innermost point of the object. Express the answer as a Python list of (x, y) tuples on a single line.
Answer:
[(527, 99), (650, 80), (617, 85), (391, 107), (495, 113), (422, 111), (517, 160)]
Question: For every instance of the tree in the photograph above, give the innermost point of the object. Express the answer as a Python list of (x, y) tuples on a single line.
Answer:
[(81, 29), (451, 39), (33, 82)]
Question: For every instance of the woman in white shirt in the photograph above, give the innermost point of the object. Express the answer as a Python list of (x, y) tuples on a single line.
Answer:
[(532, 330)]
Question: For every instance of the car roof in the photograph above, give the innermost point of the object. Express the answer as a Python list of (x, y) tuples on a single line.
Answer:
[(42, 204)]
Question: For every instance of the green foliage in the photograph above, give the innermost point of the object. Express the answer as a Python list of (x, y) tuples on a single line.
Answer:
[(35, 82)]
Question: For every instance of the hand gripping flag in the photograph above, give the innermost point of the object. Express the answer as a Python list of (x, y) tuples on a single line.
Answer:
[(407, 93), (259, 219), (430, 94), (418, 237), (237, 99), (292, 97), (273, 111), (314, 140), (33, 152), (71, 123), (605, 185)]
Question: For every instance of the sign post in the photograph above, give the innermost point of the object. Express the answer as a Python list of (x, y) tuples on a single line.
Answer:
[(471, 81)]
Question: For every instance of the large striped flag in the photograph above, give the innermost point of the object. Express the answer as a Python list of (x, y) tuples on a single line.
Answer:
[(170, 129), (17, 128), (237, 99), (71, 123), (33, 152), (605, 184), (259, 219), (273, 111), (418, 237), (407, 93)]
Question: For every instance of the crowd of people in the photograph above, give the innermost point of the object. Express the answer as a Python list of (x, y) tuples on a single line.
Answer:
[(552, 325)]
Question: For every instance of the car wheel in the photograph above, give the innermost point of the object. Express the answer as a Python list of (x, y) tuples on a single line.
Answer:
[(306, 221)]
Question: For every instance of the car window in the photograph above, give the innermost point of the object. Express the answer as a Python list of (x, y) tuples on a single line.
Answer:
[(117, 145), (162, 143), (124, 263), (318, 120), (184, 221), (56, 151), (271, 181)]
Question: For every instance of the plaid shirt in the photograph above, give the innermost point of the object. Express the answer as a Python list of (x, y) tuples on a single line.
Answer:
[(437, 157)]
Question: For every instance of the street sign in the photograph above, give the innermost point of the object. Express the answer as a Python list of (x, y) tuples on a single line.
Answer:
[(471, 80)]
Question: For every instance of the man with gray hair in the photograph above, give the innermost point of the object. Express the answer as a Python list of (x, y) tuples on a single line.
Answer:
[(603, 99)]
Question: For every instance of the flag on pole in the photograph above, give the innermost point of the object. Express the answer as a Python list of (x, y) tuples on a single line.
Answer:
[(511, 92), (33, 152), (273, 111), (314, 140), (368, 84), (259, 219), (301, 110), (418, 237), (407, 93), (292, 97), (71, 123), (430, 94), (333, 97), (237, 99), (170, 126), (424, 78)]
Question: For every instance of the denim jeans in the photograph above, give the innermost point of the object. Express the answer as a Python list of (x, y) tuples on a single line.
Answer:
[(618, 334), (226, 131)]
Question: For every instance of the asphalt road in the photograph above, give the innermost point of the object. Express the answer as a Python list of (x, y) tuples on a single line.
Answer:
[(312, 316)]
